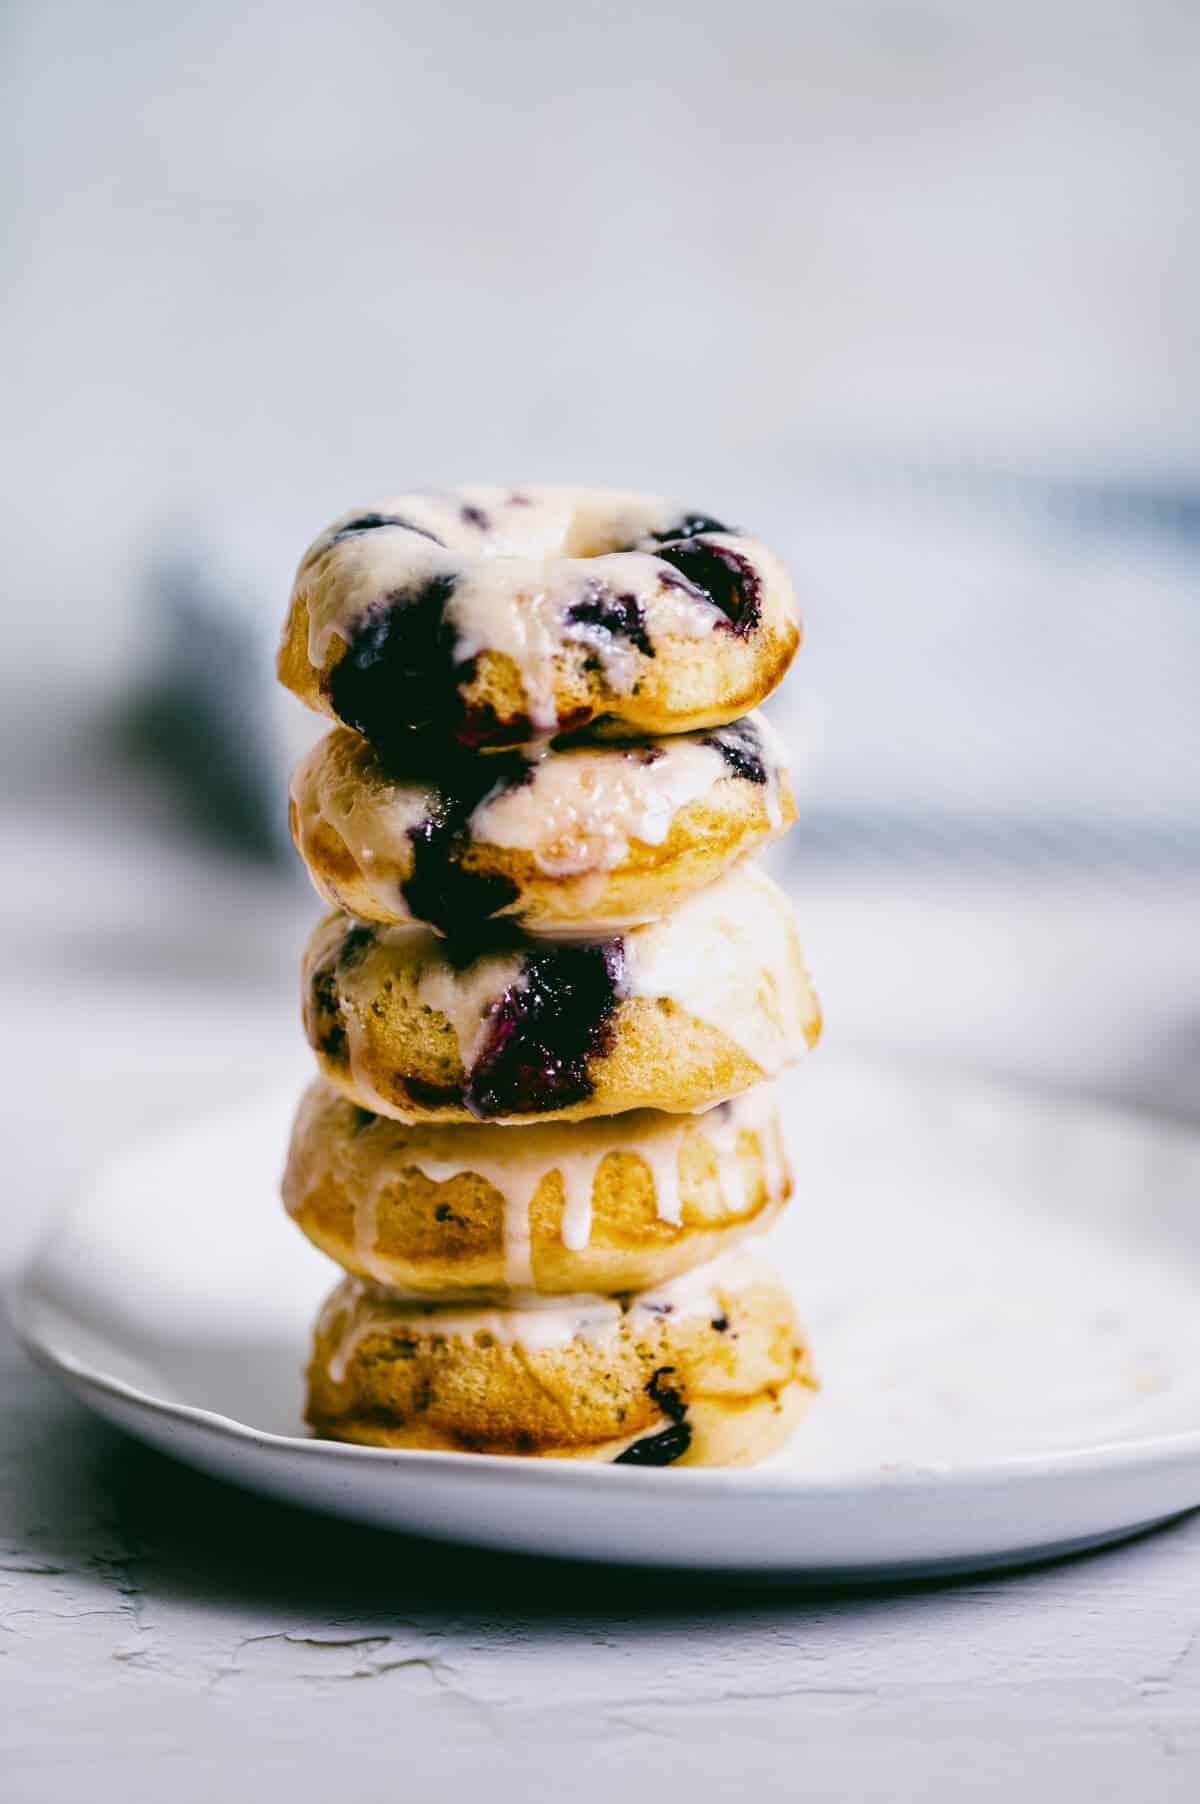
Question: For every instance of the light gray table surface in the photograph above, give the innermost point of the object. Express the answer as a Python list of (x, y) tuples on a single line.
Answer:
[(162, 1636)]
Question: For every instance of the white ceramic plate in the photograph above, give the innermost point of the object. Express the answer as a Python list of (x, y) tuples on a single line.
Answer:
[(1003, 1294)]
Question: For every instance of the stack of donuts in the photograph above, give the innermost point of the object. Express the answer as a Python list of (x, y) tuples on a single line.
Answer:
[(552, 992)]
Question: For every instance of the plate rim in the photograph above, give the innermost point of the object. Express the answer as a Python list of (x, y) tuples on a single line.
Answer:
[(1106, 1458), (22, 1302)]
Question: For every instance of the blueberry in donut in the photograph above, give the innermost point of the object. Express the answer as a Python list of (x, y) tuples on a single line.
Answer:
[(722, 575), (688, 526), (586, 834), (545, 1029), (587, 1376), (441, 889), (373, 523), (501, 616), (620, 616), (397, 675), (330, 1028), (329, 1018), (542, 1031), (741, 747), (676, 1013), (669, 1444)]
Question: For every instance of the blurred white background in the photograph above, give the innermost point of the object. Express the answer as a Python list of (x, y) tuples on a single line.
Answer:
[(279, 254), (911, 288)]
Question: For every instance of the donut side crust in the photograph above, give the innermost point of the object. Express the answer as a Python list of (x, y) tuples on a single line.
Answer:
[(707, 838), (447, 1235), (734, 1376), (682, 688)]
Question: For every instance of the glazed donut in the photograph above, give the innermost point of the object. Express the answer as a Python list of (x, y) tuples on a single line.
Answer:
[(678, 1015), (587, 838), (710, 1370), (611, 1205), (498, 616)]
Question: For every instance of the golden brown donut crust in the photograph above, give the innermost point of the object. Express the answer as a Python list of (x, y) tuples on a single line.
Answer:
[(681, 691), (354, 1184), (676, 663), (356, 825), (736, 1379), (376, 1001)]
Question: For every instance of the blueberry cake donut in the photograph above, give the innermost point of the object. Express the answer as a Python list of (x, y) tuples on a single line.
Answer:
[(711, 1369), (678, 1014), (609, 1205), (498, 616), (583, 838)]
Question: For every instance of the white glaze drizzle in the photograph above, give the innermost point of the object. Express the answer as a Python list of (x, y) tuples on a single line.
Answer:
[(536, 1323), (578, 1177), (342, 577), (580, 808), (738, 932), (728, 956), (465, 997), (514, 1161), (341, 581), (516, 581), (774, 1159), (775, 764), (373, 818), (575, 814), (521, 610), (366, 1231), (661, 1158), (730, 1176), (697, 1292)]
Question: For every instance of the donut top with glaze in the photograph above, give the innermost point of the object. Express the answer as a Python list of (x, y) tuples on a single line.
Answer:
[(576, 811), (402, 597), (530, 1016), (573, 811)]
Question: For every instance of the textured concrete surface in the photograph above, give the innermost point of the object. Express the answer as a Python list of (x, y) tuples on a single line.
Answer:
[(164, 1636)]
